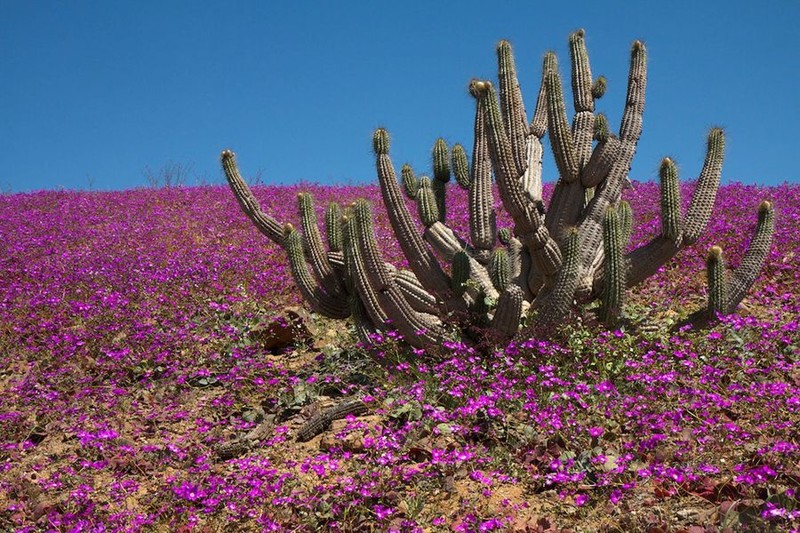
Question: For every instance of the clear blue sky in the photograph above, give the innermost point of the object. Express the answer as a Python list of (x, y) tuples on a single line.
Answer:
[(93, 93)]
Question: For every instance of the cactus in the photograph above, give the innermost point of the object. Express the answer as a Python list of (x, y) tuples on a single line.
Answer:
[(569, 253), (726, 292), (615, 238), (410, 182)]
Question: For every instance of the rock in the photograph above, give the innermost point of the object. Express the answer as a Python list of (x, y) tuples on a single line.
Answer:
[(293, 326)]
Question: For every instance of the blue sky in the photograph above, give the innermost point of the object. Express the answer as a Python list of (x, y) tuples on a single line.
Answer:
[(95, 93)]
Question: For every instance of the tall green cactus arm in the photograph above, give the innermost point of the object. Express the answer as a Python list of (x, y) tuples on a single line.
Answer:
[(427, 202), (646, 260), (539, 120), (753, 260), (333, 227), (581, 73), (506, 319), (519, 266), (705, 192), (460, 165), (247, 201), (571, 148), (410, 182), (316, 253), (583, 98), (614, 241), (501, 153), (441, 175), (482, 221), (460, 272), (671, 217), (610, 191), (528, 221), (420, 258), (554, 304), (357, 273), (560, 133), (626, 215), (512, 107), (500, 269), (364, 327), (419, 329), (631, 126), (717, 284), (603, 156), (323, 303)]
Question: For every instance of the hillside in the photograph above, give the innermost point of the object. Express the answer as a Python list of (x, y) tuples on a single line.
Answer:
[(132, 326)]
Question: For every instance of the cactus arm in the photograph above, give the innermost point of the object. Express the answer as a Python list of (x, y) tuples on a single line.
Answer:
[(646, 260), (460, 166), (532, 179), (747, 271), (626, 214), (321, 302), (529, 223), (500, 269), (631, 126), (357, 272), (314, 247), (419, 329), (410, 183), (361, 321), (581, 73), (506, 319), (717, 284), (571, 148), (333, 227), (419, 299), (460, 272), (427, 202), (420, 258), (441, 175), (609, 191), (556, 302), (482, 221), (519, 264), (247, 201), (603, 156), (447, 243), (501, 153), (671, 218), (705, 192), (583, 97), (560, 134), (614, 240), (539, 121), (601, 161), (513, 109)]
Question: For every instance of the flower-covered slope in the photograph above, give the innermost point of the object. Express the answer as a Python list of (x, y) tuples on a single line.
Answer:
[(126, 324)]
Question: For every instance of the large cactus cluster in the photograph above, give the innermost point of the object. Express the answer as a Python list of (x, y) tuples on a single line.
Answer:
[(497, 282)]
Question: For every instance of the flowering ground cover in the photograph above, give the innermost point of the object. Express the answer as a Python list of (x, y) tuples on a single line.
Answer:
[(130, 352)]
